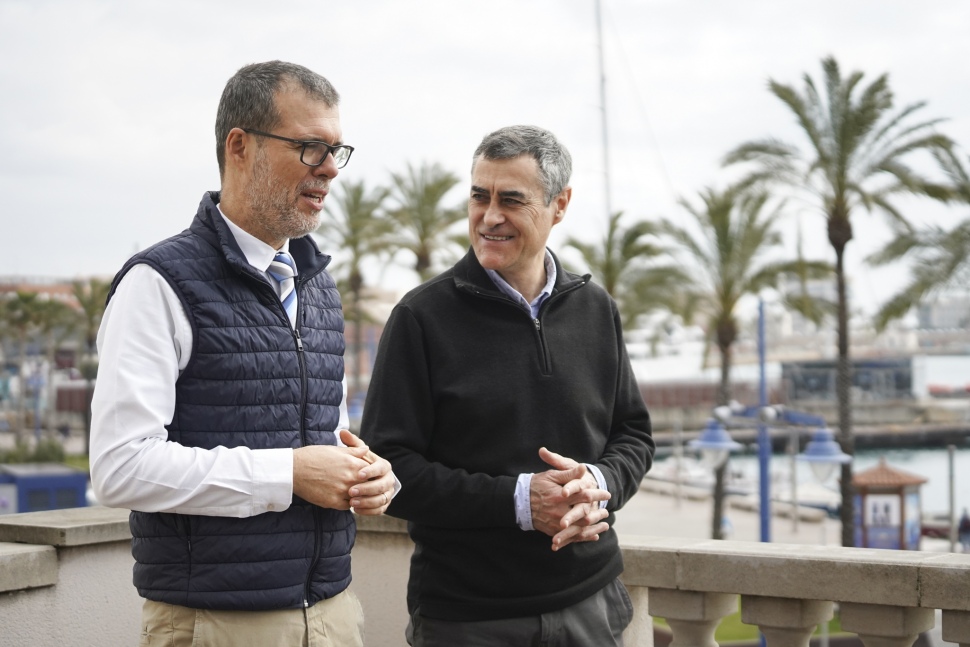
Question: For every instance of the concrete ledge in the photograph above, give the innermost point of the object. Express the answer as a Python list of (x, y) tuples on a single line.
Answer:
[(870, 576), (944, 582), (27, 567), (383, 523), (72, 527), (86, 549)]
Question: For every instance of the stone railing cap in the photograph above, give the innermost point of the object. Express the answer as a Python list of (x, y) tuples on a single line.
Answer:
[(70, 527), (873, 576), (26, 567)]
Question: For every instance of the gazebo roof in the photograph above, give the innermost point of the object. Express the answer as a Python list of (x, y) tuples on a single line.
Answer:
[(884, 476)]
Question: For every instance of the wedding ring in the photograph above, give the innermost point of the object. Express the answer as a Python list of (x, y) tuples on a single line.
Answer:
[(385, 497)]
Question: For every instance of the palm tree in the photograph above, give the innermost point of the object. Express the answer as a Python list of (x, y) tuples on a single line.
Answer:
[(92, 297), (857, 155), (422, 223), (56, 321), (726, 247), (21, 317), (941, 256), (813, 308), (622, 262), (360, 228)]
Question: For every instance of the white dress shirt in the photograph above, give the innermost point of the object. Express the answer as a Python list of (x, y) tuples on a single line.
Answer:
[(144, 343)]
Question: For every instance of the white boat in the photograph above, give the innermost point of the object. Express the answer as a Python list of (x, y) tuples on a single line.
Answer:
[(810, 495), (690, 472)]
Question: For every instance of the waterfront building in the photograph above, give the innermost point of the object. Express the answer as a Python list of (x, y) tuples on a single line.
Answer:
[(946, 312)]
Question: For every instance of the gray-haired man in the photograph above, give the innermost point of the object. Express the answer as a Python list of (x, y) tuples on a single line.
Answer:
[(479, 371)]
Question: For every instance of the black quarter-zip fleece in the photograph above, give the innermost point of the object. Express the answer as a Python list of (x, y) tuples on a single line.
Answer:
[(465, 390)]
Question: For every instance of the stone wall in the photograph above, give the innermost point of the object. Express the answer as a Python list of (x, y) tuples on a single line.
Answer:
[(65, 579)]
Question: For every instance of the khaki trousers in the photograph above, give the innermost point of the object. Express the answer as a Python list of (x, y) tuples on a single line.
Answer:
[(337, 622)]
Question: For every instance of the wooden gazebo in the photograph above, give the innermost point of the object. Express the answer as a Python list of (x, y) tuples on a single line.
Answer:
[(887, 507)]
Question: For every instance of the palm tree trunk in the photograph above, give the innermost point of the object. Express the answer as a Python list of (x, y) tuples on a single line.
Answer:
[(422, 265), (843, 390), (723, 397), (89, 370), (88, 397)]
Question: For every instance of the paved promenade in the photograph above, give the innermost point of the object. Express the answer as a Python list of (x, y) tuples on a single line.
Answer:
[(656, 510)]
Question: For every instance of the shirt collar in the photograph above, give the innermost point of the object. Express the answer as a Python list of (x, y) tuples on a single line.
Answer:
[(503, 285), (257, 253)]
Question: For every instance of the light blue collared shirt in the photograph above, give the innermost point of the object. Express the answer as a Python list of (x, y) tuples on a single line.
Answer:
[(523, 504), (513, 294)]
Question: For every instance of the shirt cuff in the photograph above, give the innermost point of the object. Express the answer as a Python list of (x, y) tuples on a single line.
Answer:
[(523, 502), (272, 480), (600, 481)]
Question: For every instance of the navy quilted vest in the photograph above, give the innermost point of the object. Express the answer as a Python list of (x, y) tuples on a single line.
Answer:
[(248, 383)]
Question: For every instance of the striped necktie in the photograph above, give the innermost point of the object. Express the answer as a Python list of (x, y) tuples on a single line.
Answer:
[(283, 269)]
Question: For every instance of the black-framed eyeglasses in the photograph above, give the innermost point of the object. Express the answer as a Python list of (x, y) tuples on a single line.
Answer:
[(312, 153)]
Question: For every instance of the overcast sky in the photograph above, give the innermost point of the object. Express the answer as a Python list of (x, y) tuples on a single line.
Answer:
[(107, 108)]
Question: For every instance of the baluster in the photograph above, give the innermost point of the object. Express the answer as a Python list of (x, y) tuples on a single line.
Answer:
[(640, 631), (956, 627), (693, 616), (880, 625), (785, 622)]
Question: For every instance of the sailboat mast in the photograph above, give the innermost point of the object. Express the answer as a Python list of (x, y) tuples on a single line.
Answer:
[(606, 145)]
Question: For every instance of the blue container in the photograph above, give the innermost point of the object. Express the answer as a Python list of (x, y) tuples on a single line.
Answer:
[(30, 487)]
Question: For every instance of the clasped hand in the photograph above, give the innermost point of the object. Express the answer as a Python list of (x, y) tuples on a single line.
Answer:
[(566, 500), (343, 477)]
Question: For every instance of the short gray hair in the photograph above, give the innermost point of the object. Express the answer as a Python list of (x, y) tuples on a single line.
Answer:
[(555, 163), (249, 98)]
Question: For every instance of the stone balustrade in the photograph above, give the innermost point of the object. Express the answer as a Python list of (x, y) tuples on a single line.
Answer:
[(65, 579), (885, 597)]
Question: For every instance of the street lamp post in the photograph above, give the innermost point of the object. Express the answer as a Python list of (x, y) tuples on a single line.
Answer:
[(764, 440), (823, 455), (715, 444), (770, 416)]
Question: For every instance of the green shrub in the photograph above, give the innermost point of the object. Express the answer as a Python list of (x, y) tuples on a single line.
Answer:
[(46, 451)]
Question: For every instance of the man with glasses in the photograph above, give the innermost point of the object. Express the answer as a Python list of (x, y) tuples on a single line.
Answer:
[(503, 397), (219, 415)]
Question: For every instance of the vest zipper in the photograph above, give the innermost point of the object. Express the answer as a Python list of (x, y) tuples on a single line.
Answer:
[(303, 380), (317, 532), (182, 522)]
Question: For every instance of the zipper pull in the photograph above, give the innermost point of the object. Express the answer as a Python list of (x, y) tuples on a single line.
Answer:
[(299, 340), (536, 321)]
